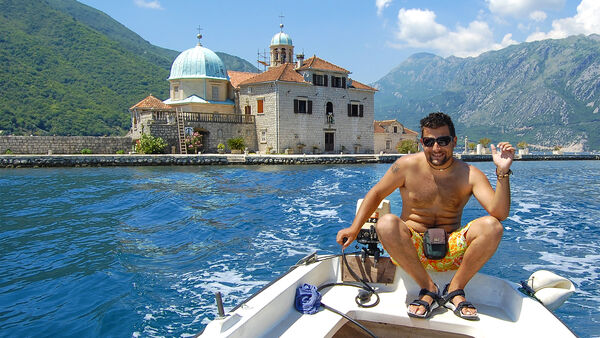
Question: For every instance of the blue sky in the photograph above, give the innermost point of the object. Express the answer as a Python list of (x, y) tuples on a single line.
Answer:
[(367, 37)]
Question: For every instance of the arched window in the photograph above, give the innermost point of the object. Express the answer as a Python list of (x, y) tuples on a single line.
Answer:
[(283, 54), (329, 112)]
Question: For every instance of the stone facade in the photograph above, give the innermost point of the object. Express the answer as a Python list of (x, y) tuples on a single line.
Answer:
[(312, 107), (279, 128), (64, 144)]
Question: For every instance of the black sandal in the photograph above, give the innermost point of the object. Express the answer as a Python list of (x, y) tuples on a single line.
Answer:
[(428, 307), (457, 309)]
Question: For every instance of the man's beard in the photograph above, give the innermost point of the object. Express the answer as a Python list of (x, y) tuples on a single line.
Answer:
[(441, 160)]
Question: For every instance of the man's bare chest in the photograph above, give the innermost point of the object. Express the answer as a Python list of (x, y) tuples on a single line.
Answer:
[(432, 191)]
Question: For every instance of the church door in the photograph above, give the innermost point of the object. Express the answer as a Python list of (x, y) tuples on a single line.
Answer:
[(329, 141)]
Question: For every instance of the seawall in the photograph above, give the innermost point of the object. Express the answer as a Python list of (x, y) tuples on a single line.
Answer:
[(32, 161), (64, 144)]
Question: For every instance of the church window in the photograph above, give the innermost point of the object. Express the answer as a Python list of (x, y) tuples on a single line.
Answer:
[(260, 104), (215, 93), (355, 109), (302, 106), (263, 136), (329, 108), (282, 55), (329, 112)]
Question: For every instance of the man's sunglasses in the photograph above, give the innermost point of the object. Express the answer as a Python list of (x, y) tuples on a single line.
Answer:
[(442, 141)]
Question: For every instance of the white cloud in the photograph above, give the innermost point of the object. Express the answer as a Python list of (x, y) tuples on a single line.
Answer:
[(381, 4), (584, 22), (418, 28), (153, 4), (523, 8), (538, 16)]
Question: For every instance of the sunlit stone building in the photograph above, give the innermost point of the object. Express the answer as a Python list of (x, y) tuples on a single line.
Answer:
[(294, 106)]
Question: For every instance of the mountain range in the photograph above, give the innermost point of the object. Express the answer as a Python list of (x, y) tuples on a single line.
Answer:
[(545, 93), (69, 69)]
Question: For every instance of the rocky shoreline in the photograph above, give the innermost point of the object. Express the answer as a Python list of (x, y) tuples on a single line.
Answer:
[(34, 161)]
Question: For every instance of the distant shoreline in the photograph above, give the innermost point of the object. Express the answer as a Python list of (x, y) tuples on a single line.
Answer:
[(35, 161)]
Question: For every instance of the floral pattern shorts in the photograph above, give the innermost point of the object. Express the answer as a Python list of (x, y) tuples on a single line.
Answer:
[(457, 244)]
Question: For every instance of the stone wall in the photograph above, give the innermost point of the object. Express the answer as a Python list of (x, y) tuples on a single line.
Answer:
[(266, 123), (31, 161), (34, 161), (64, 144), (216, 132)]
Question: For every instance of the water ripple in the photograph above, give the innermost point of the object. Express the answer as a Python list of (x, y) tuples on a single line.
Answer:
[(141, 251)]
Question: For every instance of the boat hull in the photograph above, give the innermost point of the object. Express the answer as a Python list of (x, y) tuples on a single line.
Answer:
[(503, 310)]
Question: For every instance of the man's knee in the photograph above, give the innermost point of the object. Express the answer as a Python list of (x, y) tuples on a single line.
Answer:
[(391, 225), (491, 226)]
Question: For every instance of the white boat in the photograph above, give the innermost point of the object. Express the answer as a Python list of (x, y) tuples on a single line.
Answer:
[(504, 310)]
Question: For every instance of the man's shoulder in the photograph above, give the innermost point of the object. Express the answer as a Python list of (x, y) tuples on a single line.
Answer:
[(468, 166), (407, 161), (411, 158)]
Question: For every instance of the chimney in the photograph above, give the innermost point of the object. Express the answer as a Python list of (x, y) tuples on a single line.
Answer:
[(300, 59)]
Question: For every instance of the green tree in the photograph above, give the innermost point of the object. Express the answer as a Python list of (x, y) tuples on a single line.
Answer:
[(407, 147), (485, 141), (522, 145), (149, 144), (236, 143)]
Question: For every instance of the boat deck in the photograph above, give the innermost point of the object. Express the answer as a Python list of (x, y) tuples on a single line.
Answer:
[(503, 311)]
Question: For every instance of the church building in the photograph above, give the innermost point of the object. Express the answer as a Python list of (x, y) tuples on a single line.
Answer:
[(295, 106)]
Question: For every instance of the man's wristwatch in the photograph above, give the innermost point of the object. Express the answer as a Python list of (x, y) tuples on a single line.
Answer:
[(509, 172)]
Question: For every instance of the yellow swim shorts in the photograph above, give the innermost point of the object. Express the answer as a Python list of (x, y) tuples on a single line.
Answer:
[(457, 244)]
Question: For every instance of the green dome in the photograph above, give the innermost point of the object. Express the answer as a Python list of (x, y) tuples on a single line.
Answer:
[(198, 63), (281, 39)]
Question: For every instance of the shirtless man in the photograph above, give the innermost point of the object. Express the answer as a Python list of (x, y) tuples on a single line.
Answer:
[(435, 187)]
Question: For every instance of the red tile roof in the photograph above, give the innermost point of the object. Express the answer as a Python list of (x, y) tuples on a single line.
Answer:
[(283, 72), (410, 131), (238, 77), (378, 126), (359, 85), (151, 102), (317, 63)]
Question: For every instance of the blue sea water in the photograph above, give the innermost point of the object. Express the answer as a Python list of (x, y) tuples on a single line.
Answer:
[(140, 251)]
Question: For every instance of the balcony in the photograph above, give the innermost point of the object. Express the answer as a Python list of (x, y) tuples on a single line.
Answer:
[(169, 117)]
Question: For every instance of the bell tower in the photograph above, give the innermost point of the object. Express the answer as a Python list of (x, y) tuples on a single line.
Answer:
[(282, 49)]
